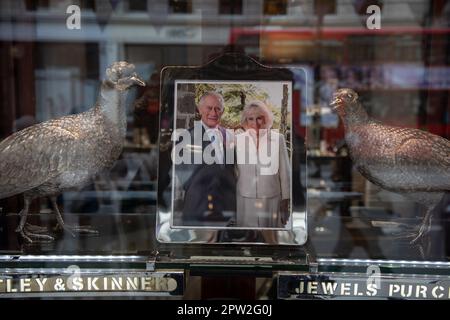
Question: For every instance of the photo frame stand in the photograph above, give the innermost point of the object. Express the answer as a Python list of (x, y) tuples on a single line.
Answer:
[(193, 245)]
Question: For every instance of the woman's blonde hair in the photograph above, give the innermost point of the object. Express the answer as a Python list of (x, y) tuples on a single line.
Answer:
[(268, 115)]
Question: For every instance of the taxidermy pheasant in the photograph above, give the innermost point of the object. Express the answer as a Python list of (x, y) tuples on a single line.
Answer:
[(407, 161), (51, 157)]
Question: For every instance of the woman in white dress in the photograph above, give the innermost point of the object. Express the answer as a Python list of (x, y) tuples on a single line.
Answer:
[(263, 173)]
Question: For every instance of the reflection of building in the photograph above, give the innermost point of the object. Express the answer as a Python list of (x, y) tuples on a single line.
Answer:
[(156, 33), (401, 72), (55, 70), (393, 68)]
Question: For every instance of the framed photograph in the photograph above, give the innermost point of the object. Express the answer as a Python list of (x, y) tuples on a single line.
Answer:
[(229, 169)]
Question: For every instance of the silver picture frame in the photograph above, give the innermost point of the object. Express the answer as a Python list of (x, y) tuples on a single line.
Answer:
[(181, 88)]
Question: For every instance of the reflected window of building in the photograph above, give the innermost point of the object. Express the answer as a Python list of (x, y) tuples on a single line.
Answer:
[(180, 6), (323, 7), (87, 4), (137, 5), (362, 5), (230, 6), (32, 5), (37, 4), (275, 7)]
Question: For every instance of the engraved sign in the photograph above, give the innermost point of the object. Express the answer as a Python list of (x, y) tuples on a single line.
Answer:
[(159, 283), (303, 286)]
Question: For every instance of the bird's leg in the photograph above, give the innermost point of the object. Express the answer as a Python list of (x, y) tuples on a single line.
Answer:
[(28, 231), (23, 215), (407, 232), (425, 227), (36, 229), (416, 234), (71, 229), (29, 227)]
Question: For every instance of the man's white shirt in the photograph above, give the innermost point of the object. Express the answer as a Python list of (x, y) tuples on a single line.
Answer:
[(215, 136)]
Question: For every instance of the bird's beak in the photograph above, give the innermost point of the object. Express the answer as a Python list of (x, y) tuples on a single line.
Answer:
[(335, 103), (138, 81)]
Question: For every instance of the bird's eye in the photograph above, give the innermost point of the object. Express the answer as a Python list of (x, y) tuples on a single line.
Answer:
[(349, 95)]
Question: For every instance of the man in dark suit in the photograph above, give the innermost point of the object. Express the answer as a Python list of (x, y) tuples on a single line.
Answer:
[(208, 179)]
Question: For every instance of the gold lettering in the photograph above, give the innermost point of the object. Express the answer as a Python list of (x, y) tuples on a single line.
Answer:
[(435, 295), (41, 283), (346, 289), (301, 288), (154, 283), (404, 293), (132, 283), (312, 287), (25, 285), (9, 286), (144, 283), (356, 290), (393, 288), (116, 283), (160, 282), (92, 283), (421, 290)]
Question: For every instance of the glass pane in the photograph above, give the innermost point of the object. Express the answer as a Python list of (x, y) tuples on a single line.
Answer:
[(275, 7), (137, 5), (230, 6), (84, 126), (180, 6)]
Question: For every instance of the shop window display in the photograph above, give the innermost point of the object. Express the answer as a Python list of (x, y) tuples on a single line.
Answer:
[(364, 116)]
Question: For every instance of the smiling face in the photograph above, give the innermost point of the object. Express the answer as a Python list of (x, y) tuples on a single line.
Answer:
[(255, 119), (210, 109)]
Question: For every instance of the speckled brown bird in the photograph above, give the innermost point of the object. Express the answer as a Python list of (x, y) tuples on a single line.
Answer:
[(62, 154), (407, 161)]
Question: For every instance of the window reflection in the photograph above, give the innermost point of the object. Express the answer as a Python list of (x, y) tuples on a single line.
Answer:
[(275, 7), (401, 72), (180, 6)]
